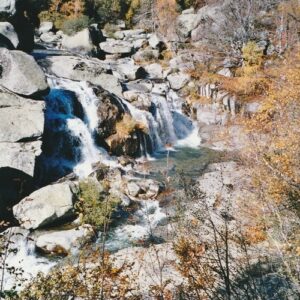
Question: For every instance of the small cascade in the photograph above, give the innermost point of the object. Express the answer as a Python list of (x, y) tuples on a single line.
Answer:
[(167, 125), (71, 120)]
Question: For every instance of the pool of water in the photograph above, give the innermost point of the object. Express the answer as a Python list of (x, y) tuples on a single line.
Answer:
[(183, 161)]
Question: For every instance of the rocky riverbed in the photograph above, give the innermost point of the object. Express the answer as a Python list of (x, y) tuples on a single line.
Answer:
[(106, 107)]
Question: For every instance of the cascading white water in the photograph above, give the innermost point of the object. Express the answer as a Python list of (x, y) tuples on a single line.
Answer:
[(167, 125), (81, 128), (21, 257)]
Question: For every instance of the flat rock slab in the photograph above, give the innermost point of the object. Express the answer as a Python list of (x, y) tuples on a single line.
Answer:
[(116, 47)]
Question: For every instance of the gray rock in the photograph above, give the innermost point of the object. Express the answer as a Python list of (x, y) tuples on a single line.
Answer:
[(8, 7), (8, 36), (212, 17), (20, 119), (46, 206), (252, 108), (143, 86), (20, 156), (185, 23), (129, 71), (109, 83), (178, 80), (133, 32), (45, 27), (21, 74), (49, 37), (121, 24), (154, 71), (182, 62), (81, 69), (156, 42), (160, 88), (146, 54), (116, 47), (225, 72), (81, 42), (65, 241), (139, 100), (139, 43), (133, 189), (143, 188)]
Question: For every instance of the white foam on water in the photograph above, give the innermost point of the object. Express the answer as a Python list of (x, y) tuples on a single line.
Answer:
[(23, 258)]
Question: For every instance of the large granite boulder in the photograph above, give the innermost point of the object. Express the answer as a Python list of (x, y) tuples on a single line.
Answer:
[(21, 74), (210, 18), (81, 69), (185, 23), (20, 156), (46, 206), (8, 37), (21, 129)]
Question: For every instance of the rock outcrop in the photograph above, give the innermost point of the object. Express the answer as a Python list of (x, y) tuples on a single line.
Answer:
[(21, 74), (21, 130)]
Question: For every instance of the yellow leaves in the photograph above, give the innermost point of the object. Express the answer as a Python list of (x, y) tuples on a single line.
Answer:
[(252, 54), (128, 125), (134, 5)]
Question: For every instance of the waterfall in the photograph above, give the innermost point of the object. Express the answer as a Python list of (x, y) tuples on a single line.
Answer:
[(167, 125), (71, 120)]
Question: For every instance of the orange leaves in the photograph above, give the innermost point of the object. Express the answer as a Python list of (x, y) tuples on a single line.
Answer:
[(70, 9), (255, 234), (166, 14)]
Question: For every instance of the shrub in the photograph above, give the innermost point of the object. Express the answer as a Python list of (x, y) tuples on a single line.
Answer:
[(128, 125), (72, 26), (252, 54), (95, 205)]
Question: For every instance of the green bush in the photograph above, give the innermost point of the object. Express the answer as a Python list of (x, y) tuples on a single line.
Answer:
[(96, 205), (72, 26)]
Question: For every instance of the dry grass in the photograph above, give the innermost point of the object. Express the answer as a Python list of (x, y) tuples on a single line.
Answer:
[(128, 125)]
